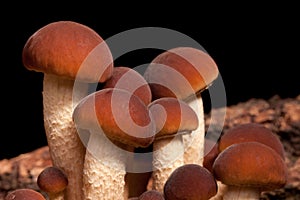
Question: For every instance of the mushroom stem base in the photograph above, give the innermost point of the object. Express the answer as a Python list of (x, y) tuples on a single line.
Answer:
[(241, 193), (167, 156)]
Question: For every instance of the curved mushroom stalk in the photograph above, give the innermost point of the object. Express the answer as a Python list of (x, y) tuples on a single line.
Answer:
[(104, 169), (194, 142), (167, 156), (66, 149)]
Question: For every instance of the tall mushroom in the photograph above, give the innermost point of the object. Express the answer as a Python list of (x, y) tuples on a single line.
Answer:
[(184, 72), (249, 168), (173, 118), (66, 51), (116, 121)]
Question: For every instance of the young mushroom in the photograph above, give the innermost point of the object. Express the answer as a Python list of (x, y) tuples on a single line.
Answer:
[(117, 121), (173, 118), (24, 194), (151, 195), (249, 168), (190, 182), (130, 80), (66, 51), (53, 181), (184, 72)]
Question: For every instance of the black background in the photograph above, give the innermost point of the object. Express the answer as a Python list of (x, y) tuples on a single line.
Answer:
[(256, 48)]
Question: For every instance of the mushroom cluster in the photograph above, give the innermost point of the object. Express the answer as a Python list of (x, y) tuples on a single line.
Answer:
[(95, 137)]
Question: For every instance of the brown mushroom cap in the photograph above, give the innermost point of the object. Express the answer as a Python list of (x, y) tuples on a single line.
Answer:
[(24, 194), (251, 132), (250, 164), (129, 79), (52, 180), (194, 65), (151, 195), (174, 116), (192, 182), (114, 111), (62, 47)]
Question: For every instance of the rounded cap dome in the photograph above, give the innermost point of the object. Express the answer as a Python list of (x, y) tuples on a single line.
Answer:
[(63, 48)]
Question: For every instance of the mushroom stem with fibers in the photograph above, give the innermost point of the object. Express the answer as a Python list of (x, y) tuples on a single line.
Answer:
[(241, 193), (194, 142), (104, 169), (66, 149), (167, 156)]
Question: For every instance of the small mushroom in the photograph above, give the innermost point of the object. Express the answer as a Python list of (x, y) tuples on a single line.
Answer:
[(24, 194), (183, 73), (211, 152), (66, 52), (151, 195), (190, 182), (173, 118), (251, 132), (53, 181), (249, 168), (116, 120)]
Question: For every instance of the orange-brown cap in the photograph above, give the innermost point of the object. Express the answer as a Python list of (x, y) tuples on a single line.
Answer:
[(24, 194), (190, 181), (123, 117), (52, 180), (171, 116), (64, 48), (180, 72), (151, 195), (250, 164), (251, 132), (129, 79)]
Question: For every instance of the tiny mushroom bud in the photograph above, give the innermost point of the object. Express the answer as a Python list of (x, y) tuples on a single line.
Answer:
[(184, 72), (53, 181), (190, 182), (151, 195), (68, 54), (116, 120), (24, 194), (249, 168), (173, 118)]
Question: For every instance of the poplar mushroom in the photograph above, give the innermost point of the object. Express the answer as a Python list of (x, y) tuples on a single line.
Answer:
[(173, 118), (24, 194), (66, 51), (249, 168), (190, 182), (117, 121), (184, 72)]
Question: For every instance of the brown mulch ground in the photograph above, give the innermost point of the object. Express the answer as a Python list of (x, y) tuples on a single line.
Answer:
[(282, 116)]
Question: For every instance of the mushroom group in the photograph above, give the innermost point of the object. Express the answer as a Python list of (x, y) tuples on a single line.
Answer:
[(94, 136)]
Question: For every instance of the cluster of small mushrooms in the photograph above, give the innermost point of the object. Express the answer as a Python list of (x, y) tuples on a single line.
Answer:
[(94, 136)]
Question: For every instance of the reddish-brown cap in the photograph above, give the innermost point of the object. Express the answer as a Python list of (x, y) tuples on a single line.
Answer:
[(24, 194), (180, 72), (211, 152), (250, 164), (64, 48), (129, 79), (171, 116), (251, 132), (190, 181), (52, 180), (123, 117), (151, 195)]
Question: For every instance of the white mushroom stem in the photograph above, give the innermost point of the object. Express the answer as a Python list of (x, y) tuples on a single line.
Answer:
[(222, 188), (167, 156), (194, 142), (66, 149), (104, 169), (241, 193)]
